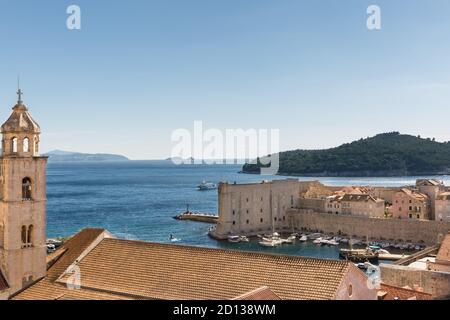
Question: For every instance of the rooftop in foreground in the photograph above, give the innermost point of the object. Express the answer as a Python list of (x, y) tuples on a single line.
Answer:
[(112, 268)]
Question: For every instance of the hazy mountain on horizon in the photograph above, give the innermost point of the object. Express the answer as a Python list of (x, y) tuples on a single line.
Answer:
[(61, 156)]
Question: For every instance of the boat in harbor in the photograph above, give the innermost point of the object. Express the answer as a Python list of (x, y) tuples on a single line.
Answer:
[(303, 238), (243, 239), (291, 239), (207, 186), (359, 255), (272, 240), (234, 239), (318, 241)]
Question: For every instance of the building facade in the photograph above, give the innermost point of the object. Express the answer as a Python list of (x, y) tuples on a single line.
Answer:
[(254, 208), (442, 207), (355, 204), (409, 204), (22, 201), (432, 188)]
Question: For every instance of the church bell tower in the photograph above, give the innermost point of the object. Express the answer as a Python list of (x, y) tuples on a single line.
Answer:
[(22, 200)]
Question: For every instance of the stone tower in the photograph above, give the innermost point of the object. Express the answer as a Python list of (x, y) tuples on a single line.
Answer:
[(22, 200)]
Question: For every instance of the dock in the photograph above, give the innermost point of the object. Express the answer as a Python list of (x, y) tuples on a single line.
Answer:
[(199, 217)]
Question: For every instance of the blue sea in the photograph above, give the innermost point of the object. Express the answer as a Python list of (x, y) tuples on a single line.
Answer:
[(138, 199)]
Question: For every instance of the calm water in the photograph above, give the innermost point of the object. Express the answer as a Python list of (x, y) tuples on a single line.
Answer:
[(137, 200)]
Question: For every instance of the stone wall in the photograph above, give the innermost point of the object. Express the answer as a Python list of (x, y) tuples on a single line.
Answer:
[(433, 282), (383, 229)]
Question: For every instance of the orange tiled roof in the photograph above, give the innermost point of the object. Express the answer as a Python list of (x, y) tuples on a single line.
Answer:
[(388, 292), (263, 293), (135, 269), (414, 194)]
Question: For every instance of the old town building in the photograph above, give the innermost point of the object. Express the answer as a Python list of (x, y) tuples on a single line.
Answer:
[(410, 204)]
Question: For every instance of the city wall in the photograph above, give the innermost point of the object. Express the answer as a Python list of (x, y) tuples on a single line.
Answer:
[(433, 282), (429, 232)]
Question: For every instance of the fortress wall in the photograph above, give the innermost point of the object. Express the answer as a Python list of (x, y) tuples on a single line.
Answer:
[(430, 232)]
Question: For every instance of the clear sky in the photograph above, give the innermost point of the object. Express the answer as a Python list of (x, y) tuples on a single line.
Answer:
[(139, 69)]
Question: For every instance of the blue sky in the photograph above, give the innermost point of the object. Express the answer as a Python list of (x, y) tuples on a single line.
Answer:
[(139, 69)]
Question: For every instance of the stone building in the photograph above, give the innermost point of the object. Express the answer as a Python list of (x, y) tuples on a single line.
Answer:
[(22, 202), (424, 271), (253, 208), (442, 207), (410, 204), (356, 205), (432, 188)]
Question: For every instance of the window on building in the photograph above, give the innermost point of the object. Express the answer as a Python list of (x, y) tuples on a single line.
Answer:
[(14, 145), (234, 222), (418, 216), (247, 210), (275, 219), (26, 145), (26, 189), (410, 215), (292, 200), (400, 209), (30, 234), (261, 220), (24, 235), (410, 208), (248, 221), (261, 210), (234, 212)]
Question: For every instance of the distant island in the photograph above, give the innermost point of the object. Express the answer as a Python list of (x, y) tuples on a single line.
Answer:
[(386, 154), (61, 156)]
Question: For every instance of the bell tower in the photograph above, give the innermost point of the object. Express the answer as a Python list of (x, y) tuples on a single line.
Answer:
[(22, 200)]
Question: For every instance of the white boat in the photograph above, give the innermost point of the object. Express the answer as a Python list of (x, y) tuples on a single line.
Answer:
[(271, 243), (318, 241), (244, 239), (314, 236), (417, 248), (332, 242), (303, 239), (383, 251), (344, 240), (290, 239), (207, 186), (174, 240), (234, 239)]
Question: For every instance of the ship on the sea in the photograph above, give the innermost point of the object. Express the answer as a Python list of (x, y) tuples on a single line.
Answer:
[(207, 186)]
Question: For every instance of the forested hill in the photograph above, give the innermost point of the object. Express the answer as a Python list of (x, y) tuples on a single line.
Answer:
[(387, 154)]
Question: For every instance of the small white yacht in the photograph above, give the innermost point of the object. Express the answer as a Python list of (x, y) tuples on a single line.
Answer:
[(303, 238), (234, 239), (207, 186)]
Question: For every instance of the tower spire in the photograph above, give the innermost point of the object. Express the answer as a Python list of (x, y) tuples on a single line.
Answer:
[(19, 92)]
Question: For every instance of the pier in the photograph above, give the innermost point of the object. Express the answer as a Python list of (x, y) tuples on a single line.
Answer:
[(197, 216)]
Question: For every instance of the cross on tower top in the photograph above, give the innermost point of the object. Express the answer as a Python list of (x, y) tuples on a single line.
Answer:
[(19, 96)]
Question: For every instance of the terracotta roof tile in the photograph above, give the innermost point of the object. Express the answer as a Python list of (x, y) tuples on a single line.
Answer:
[(116, 269), (263, 293), (388, 292)]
